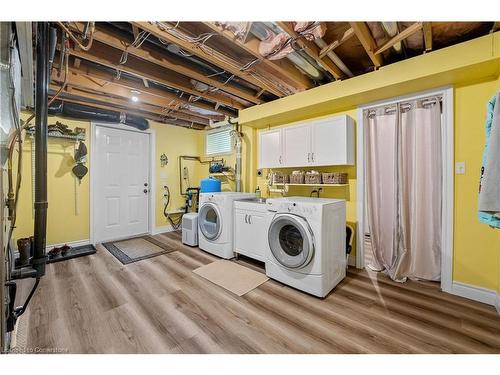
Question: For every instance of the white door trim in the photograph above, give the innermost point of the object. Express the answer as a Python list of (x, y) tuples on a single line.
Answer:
[(448, 179), (152, 174)]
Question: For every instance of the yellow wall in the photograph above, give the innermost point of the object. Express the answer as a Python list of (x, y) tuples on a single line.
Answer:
[(64, 224), (476, 246), (473, 68)]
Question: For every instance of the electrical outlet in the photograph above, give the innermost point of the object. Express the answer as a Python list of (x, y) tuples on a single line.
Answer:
[(460, 167)]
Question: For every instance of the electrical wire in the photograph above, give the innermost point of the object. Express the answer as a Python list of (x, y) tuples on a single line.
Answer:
[(200, 40), (90, 37), (175, 225)]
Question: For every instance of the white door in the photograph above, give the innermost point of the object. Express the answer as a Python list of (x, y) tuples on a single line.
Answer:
[(121, 185), (270, 154), (297, 145)]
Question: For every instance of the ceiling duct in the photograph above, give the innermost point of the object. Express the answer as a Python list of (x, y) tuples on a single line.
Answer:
[(263, 30)]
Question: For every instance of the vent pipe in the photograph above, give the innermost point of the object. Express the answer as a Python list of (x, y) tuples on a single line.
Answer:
[(41, 137)]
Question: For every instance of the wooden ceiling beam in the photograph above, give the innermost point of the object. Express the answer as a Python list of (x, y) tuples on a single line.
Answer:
[(102, 55), (495, 27), (365, 37), (349, 33), (91, 72), (107, 88), (147, 115), (312, 50), (283, 68), (410, 30), (82, 92), (154, 56), (209, 54), (427, 29)]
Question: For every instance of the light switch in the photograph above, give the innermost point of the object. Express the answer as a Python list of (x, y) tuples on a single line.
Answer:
[(460, 167)]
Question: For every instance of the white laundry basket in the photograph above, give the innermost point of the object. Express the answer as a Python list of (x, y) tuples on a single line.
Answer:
[(190, 229)]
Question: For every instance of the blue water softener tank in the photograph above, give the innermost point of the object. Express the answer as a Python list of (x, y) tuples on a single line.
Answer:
[(210, 185)]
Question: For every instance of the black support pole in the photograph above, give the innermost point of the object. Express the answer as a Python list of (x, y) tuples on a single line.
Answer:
[(41, 137)]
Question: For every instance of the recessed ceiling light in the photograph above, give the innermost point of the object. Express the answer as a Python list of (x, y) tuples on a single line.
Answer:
[(135, 98)]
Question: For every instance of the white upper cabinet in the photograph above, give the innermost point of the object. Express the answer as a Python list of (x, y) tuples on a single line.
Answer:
[(270, 149), (328, 141), (296, 145), (332, 141)]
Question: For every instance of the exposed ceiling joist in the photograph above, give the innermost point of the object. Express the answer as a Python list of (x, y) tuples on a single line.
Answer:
[(496, 26), (337, 43), (105, 87), (365, 37), (399, 37), (427, 29), (85, 93), (312, 50), (285, 70), (154, 56), (209, 54), (110, 58), (88, 71)]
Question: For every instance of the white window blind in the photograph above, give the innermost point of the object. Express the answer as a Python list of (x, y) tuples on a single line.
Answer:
[(218, 141)]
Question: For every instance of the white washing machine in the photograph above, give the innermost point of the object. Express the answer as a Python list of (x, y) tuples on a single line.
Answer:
[(216, 221), (307, 243)]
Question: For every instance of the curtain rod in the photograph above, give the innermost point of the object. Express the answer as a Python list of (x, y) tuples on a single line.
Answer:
[(407, 104)]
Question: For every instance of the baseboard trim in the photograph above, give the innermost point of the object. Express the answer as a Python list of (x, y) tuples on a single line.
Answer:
[(476, 293), (162, 229), (71, 243)]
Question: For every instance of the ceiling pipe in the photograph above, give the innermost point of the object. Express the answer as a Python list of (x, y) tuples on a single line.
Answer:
[(261, 29), (391, 29), (333, 56)]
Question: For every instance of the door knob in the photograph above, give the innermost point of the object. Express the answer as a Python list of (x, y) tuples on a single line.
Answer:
[(145, 184), (145, 191)]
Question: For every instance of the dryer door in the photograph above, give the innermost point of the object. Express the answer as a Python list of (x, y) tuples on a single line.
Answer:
[(210, 221), (291, 240)]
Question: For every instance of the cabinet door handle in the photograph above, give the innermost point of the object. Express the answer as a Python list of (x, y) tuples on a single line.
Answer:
[(246, 218), (249, 219), (281, 160), (312, 156), (308, 157)]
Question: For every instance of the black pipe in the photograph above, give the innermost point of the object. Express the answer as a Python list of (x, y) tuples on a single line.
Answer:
[(41, 137), (84, 112)]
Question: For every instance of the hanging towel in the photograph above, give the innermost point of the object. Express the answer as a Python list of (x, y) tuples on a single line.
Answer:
[(489, 186)]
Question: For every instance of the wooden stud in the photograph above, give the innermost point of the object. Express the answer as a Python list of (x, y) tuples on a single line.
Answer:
[(117, 41), (427, 29), (93, 73), (312, 50), (208, 55), (337, 43), (82, 92), (365, 37), (144, 70), (495, 27), (282, 69), (410, 30)]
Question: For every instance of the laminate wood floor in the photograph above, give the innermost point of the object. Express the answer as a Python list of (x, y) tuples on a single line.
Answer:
[(94, 304)]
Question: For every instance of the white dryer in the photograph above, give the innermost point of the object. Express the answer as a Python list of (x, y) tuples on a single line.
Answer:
[(216, 221), (307, 243)]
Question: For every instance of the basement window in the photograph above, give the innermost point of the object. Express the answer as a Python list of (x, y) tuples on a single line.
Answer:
[(218, 141)]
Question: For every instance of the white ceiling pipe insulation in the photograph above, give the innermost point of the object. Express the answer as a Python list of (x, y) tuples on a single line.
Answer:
[(391, 28)]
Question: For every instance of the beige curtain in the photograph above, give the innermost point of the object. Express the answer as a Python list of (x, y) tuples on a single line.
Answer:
[(381, 186), (414, 199)]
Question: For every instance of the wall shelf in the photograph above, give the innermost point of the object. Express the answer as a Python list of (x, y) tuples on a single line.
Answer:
[(311, 185), (79, 137)]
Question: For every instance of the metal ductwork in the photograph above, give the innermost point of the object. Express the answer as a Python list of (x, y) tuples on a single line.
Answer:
[(83, 112)]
